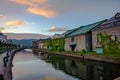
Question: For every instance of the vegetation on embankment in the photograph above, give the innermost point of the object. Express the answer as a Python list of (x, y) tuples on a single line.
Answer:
[(109, 44), (5, 46), (2, 49), (110, 58)]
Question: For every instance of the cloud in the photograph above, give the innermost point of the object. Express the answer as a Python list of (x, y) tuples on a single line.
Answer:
[(50, 78), (15, 23), (53, 28), (29, 2), (48, 13), (2, 17), (56, 29), (38, 7)]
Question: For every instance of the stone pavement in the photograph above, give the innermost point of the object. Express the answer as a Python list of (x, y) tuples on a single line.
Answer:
[(1, 62), (2, 69), (117, 78), (7, 71)]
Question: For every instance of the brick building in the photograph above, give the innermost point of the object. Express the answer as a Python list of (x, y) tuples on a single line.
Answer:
[(111, 27), (80, 38)]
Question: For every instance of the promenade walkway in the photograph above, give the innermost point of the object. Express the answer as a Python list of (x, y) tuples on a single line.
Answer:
[(1, 62), (7, 71)]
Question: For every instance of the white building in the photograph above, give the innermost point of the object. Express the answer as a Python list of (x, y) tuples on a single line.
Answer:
[(40, 43)]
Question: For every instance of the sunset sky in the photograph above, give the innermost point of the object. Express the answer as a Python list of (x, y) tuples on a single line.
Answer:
[(53, 16)]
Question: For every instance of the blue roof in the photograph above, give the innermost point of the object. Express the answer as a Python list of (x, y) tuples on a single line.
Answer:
[(84, 29)]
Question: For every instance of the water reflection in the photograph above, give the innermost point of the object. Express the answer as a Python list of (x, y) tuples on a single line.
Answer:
[(84, 70), (30, 67)]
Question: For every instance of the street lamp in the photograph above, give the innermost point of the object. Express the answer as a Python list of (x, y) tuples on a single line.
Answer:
[(7, 54)]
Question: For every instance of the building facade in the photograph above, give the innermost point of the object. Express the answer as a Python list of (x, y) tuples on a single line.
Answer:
[(111, 27), (41, 43), (79, 39), (35, 44), (46, 43)]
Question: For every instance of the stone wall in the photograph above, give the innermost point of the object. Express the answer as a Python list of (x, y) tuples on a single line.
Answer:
[(79, 40), (41, 45), (114, 31)]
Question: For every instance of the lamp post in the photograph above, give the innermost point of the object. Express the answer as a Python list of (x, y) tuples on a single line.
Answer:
[(7, 54)]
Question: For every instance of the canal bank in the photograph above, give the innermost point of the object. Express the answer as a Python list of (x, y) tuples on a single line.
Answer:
[(8, 69), (92, 57)]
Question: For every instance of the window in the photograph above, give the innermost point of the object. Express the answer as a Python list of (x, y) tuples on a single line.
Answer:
[(113, 37), (98, 39), (72, 39)]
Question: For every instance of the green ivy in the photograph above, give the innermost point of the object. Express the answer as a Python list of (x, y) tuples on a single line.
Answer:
[(56, 44), (109, 46), (47, 43)]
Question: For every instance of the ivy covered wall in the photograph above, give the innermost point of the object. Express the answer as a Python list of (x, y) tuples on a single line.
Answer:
[(47, 44), (55, 44), (109, 43), (58, 44)]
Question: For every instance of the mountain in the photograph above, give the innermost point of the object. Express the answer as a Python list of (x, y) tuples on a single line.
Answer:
[(19, 36), (24, 38), (27, 42)]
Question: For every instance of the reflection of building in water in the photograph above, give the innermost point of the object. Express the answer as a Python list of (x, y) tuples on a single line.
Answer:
[(86, 70), (83, 70), (76, 68)]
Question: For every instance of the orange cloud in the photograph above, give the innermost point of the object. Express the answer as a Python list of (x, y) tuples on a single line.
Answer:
[(56, 29), (38, 7), (48, 13), (50, 78), (29, 2), (2, 17), (53, 28), (15, 23)]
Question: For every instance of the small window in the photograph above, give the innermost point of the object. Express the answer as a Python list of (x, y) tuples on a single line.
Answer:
[(112, 37), (98, 39), (72, 39)]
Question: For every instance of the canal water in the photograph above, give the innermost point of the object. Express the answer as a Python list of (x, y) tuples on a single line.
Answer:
[(32, 66)]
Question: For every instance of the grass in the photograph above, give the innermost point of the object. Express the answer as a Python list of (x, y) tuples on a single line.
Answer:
[(112, 56), (2, 49)]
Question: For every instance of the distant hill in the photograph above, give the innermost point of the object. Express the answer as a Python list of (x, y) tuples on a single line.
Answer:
[(27, 42), (19, 36)]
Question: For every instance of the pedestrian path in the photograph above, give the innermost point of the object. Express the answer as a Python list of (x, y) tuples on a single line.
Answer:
[(1, 63)]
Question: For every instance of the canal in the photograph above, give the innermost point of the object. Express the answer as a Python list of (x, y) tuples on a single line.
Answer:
[(31, 66)]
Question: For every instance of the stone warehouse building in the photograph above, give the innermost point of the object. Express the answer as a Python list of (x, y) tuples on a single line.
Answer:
[(111, 27), (41, 43), (80, 38)]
